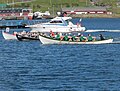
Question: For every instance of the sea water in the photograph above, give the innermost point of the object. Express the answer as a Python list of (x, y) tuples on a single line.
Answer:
[(31, 66)]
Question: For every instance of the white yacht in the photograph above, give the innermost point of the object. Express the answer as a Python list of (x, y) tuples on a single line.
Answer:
[(58, 24)]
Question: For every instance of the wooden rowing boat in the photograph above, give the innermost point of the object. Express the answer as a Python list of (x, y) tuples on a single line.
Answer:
[(49, 40), (26, 38)]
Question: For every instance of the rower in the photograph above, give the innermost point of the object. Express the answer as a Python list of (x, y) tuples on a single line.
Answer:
[(58, 36), (101, 37), (90, 38), (82, 38), (52, 34)]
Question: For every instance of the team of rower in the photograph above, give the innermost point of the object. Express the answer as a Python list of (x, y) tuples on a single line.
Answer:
[(59, 36), (79, 37)]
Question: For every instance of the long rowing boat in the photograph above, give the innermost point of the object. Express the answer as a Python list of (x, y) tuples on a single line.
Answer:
[(48, 40), (26, 38)]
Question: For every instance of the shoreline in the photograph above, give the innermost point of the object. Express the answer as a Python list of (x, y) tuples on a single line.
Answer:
[(97, 16)]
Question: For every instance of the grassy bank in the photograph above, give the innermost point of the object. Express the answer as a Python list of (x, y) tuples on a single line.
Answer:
[(55, 5)]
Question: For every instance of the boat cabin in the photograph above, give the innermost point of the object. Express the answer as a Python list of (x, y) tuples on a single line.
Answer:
[(63, 21)]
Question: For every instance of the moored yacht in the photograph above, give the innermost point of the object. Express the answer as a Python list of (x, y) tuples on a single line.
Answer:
[(58, 24)]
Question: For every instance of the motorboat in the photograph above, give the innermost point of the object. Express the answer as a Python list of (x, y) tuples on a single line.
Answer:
[(58, 24), (8, 36), (49, 40)]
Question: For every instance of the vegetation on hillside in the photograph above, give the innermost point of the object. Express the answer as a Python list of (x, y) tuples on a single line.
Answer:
[(56, 5)]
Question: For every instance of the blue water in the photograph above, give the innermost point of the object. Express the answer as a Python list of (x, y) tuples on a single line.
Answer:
[(21, 22), (31, 66)]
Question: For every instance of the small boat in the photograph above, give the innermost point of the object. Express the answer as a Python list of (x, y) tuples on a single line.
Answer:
[(49, 40), (26, 38), (8, 36)]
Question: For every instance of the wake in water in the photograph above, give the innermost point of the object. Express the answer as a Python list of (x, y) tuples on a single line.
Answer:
[(102, 30), (115, 40)]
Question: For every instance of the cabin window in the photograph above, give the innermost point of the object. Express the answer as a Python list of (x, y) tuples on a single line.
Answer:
[(68, 21), (56, 22)]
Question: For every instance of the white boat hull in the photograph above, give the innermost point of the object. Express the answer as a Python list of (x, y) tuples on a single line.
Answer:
[(59, 29), (8, 36), (45, 40)]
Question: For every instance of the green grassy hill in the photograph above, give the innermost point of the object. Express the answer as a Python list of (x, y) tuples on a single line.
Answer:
[(53, 5), (56, 5), (48, 4)]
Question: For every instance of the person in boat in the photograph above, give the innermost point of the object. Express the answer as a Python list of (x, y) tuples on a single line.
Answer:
[(58, 36), (73, 38), (90, 38), (52, 34), (29, 34), (43, 34), (82, 38), (61, 36), (66, 37), (14, 33), (23, 32), (78, 37), (101, 37), (79, 34), (7, 29)]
